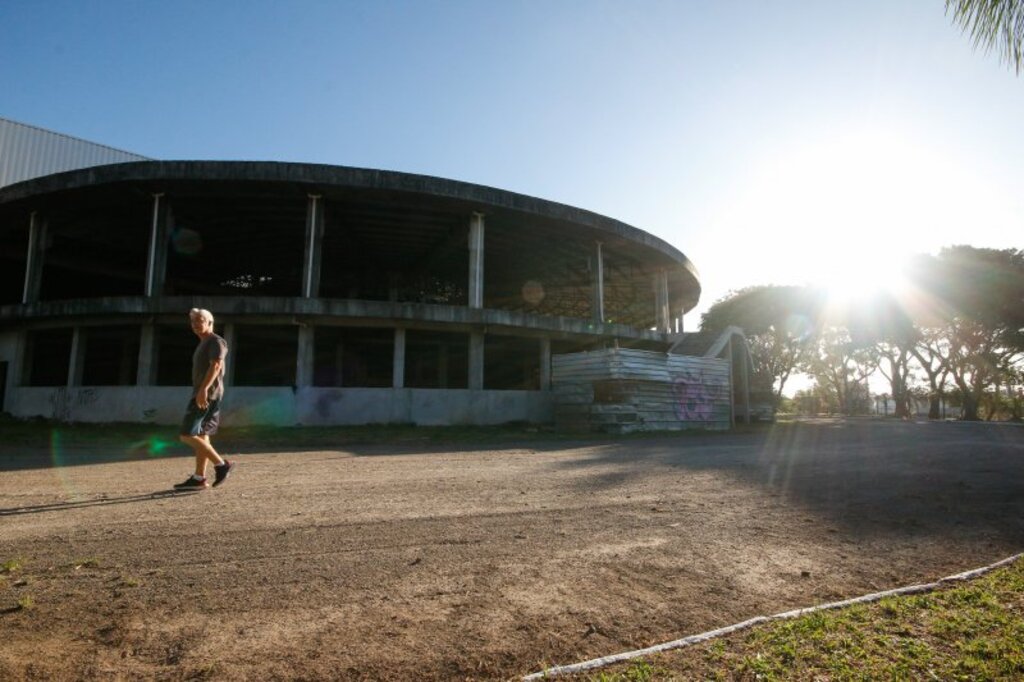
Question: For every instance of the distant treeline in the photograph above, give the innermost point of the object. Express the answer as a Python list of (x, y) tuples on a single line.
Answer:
[(951, 326)]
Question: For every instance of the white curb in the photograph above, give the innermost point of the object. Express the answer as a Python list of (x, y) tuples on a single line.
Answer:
[(711, 634)]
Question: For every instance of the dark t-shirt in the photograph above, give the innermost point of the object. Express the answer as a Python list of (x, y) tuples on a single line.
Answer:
[(209, 349)]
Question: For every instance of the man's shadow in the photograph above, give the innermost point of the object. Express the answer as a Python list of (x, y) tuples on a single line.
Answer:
[(98, 502)]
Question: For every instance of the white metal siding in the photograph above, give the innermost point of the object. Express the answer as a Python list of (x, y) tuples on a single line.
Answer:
[(28, 152)]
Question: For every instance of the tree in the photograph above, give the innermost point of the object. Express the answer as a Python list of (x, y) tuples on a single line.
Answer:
[(883, 322), (779, 322), (931, 351), (976, 297), (997, 24), (841, 368)]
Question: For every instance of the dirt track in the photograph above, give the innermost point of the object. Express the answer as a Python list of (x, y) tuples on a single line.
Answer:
[(401, 563)]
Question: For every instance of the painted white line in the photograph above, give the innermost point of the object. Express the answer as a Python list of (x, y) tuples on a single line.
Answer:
[(796, 613)]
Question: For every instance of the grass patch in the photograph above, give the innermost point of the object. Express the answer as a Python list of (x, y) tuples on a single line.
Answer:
[(163, 440), (11, 565), (26, 603), (972, 631)]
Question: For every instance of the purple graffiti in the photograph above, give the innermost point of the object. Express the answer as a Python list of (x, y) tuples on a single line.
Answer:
[(695, 396)]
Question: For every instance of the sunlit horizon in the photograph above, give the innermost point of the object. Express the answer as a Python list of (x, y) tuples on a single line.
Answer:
[(845, 212)]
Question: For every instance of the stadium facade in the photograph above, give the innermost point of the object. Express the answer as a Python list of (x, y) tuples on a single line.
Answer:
[(347, 295)]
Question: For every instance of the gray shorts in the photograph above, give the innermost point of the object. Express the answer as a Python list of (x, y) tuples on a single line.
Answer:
[(199, 422)]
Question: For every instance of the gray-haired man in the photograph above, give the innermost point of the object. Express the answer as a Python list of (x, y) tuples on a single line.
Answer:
[(202, 417)]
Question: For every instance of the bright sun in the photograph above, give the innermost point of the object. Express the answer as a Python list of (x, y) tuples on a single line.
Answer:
[(845, 210)]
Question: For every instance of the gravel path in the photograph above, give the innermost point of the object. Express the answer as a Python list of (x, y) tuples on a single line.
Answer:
[(410, 563)]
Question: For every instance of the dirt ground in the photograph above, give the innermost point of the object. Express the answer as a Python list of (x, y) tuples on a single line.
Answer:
[(406, 562)]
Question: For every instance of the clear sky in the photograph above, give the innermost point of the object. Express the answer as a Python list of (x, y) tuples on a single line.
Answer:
[(771, 142)]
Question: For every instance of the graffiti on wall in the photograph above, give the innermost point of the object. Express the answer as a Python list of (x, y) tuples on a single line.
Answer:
[(694, 396), (63, 401)]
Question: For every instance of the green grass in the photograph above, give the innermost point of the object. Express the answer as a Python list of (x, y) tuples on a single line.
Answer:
[(11, 565), (973, 631), (162, 439)]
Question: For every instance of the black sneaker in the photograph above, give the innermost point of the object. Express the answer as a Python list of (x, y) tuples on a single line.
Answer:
[(222, 471), (192, 484)]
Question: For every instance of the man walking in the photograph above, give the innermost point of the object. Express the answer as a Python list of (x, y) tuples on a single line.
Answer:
[(202, 417)]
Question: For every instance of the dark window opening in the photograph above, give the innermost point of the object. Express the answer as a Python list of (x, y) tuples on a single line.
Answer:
[(346, 356), (436, 359), (265, 355), (93, 251), (49, 357), (111, 356), (236, 246), (13, 259), (174, 347), (511, 363), (382, 251)]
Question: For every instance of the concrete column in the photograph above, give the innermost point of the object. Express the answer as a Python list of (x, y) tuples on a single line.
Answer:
[(148, 358), (229, 364), (304, 357), (597, 273), (745, 382), (476, 361), (313, 251), (545, 364), (732, 407), (77, 357), (398, 363), (476, 261), (156, 265), (37, 229), (662, 314)]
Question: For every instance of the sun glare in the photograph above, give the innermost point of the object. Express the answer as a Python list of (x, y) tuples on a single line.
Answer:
[(846, 209)]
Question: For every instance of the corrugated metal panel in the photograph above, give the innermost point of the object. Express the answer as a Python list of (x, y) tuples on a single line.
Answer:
[(28, 152), (619, 390)]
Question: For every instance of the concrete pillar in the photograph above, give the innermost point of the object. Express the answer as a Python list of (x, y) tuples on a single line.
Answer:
[(229, 364), (37, 229), (304, 357), (476, 361), (745, 382), (156, 265), (545, 364), (398, 363), (662, 314), (313, 251), (597, 273), (476, 261), (77, 357), (732, 407), (148, 358)]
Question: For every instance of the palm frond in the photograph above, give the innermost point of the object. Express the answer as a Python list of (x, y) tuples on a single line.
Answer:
[(993, 24)]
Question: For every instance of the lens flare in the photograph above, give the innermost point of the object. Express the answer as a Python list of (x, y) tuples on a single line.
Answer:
[(61, 468), (187, 242)]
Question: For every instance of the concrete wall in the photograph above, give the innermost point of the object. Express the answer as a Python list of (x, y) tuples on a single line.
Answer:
[(285, 406)]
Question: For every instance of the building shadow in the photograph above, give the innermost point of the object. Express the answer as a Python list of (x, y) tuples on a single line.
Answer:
[(866, 477)]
